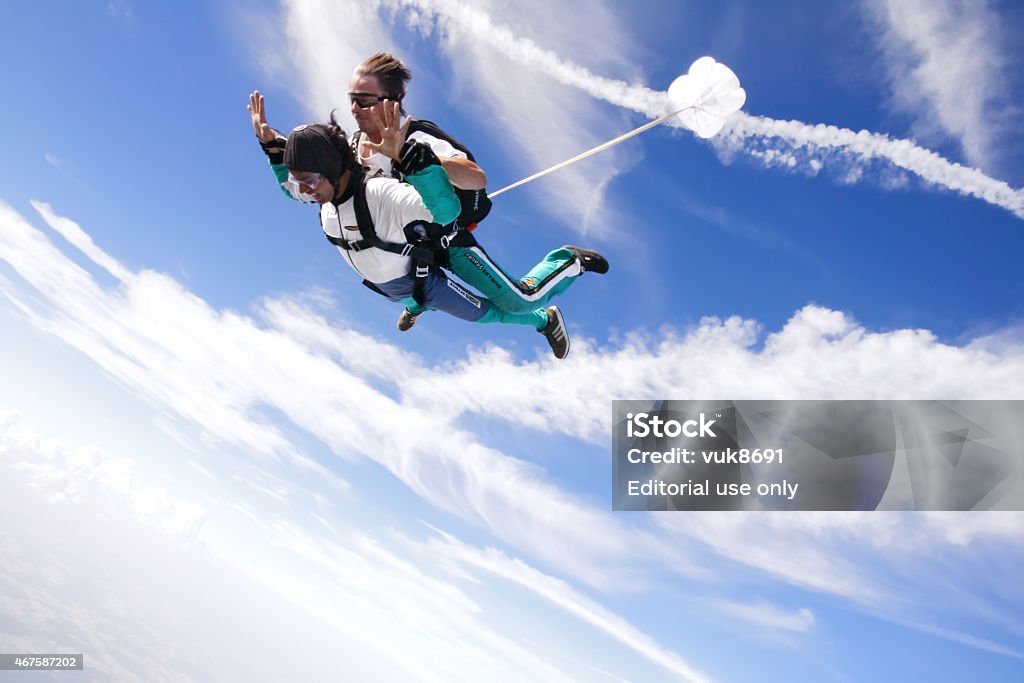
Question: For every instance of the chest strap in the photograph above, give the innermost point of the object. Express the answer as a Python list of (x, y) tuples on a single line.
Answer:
[(423, 257), (375, 242)]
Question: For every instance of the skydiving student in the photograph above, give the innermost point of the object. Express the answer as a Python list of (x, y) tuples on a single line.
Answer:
[(387, 253), (383, 77)]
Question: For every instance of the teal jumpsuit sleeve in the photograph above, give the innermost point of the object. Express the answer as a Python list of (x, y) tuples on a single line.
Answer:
[(437, 193), (281, 173)]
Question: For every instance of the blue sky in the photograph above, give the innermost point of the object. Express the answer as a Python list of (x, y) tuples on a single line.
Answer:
[(220, 460)]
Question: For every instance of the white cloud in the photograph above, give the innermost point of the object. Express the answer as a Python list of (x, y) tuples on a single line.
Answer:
[(84, 572), (792, 548), (567, 598), (882, 563), (818, 354), (769, 618), (74, 234), (422, 621), (61, 475), (946, 67), (217, 370), (326, 39), (398, 602)]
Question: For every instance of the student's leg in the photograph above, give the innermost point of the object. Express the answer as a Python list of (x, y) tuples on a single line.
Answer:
[(452, 298), (443, 294)]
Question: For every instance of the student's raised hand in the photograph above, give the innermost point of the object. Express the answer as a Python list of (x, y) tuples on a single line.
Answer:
[(258, 114), (392, 130)]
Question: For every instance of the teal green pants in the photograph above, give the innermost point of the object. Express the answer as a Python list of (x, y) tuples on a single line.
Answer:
[(537, 319), (529, 294)]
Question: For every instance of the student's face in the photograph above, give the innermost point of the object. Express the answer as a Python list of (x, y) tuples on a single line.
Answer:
[(314, 184), (365, 85)]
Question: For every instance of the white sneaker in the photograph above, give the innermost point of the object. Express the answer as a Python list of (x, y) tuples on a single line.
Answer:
[(406, 320)]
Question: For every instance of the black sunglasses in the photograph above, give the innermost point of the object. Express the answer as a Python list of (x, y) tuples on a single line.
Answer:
[(365, 100)]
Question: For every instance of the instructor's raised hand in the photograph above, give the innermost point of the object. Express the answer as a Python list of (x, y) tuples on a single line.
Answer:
[(392, 130)]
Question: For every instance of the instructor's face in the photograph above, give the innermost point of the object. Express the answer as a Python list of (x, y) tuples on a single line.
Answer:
[(364, 118)]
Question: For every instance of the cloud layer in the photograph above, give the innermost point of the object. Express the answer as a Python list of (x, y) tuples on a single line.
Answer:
[(220, 370)]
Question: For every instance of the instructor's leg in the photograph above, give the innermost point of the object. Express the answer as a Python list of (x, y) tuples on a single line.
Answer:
[(547, 279)]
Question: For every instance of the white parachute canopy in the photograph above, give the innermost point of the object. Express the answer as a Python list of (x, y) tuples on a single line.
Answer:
[(705, 96)]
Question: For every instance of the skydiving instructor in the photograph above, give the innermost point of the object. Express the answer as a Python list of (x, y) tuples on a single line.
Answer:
[(384, 76)]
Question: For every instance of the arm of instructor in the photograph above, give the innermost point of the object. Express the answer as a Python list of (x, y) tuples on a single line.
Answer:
[(464, 174)]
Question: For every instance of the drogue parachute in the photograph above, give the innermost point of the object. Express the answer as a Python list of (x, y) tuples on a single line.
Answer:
[(701, 99), (706, 96)]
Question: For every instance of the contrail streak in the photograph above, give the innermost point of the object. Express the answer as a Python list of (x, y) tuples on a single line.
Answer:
[(744, 133), (804, 139)]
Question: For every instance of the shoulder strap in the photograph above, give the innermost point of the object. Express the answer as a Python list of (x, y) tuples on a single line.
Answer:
[(363, 218), (431, 128), (475, 203)]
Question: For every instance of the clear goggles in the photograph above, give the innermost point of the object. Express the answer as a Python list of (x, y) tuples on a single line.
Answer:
[(293, 186)]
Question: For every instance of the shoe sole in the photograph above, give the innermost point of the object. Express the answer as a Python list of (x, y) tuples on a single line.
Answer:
[(560, 323), (599, 263), (409, 326)]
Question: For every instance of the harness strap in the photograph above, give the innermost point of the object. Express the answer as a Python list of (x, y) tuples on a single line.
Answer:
[(412, 251), (423, 258)]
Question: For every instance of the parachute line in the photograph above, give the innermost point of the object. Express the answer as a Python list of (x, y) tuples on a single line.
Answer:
[(589, 152), (703, 99)]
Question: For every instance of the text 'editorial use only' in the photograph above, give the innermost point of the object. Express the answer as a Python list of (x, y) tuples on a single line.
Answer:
[(818, 455)]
